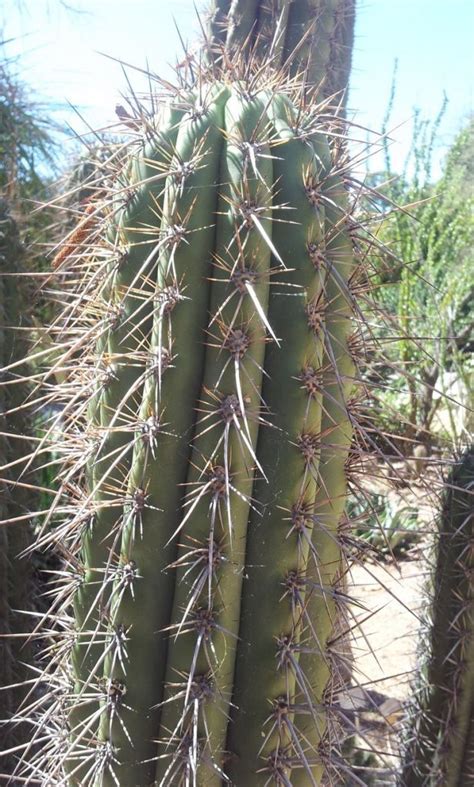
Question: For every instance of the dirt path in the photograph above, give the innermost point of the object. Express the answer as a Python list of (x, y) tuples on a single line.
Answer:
[(385, 651), (387, 621)]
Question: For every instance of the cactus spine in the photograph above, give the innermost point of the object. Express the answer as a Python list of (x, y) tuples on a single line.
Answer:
[(441, 746), (207, 427)]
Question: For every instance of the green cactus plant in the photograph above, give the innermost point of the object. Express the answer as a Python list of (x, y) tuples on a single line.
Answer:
[(313, 38), (440, 746), (208, 380), (15, 527)]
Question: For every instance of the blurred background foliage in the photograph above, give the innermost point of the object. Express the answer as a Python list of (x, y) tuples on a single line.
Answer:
[(425, 285), (27, 138), (29, 141)]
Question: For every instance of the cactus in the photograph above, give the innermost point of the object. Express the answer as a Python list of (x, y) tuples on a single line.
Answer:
[(15, 533), (208, 377), (310, 37), (440, 748)]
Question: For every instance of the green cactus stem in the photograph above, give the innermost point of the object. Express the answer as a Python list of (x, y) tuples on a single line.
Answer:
[(310, 37), (440, 748), (205, 426), (206, 395)]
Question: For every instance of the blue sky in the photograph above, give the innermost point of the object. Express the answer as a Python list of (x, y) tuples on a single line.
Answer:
[(432, 39)]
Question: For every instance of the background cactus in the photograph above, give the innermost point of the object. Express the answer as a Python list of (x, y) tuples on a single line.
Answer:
[(310, 37), (15, 529), (208, 365), (440, 749)]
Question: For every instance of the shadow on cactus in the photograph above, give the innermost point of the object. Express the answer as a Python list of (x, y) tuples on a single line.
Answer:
[(16, 579)]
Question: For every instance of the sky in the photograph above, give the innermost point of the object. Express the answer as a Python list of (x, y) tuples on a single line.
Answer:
[(69, 57)]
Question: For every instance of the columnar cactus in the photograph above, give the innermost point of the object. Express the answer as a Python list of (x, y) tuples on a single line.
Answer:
[(15, 533), (313, 38), (206, 407), (441, 746)]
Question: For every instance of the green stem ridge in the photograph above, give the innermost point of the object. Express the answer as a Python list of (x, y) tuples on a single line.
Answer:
[(280, 532), (326, 674), (222, 462), (125, 298), (165, 417)]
